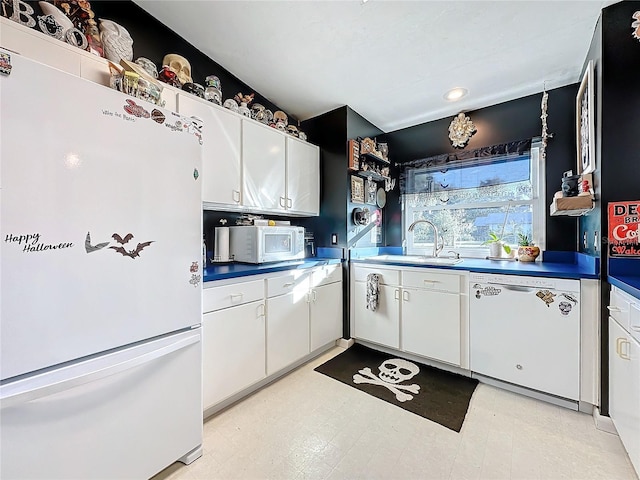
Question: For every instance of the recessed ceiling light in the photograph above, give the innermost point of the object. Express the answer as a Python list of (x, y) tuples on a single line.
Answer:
[(455, 94)]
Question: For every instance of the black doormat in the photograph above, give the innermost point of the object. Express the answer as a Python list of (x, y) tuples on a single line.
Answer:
[(438, 395)]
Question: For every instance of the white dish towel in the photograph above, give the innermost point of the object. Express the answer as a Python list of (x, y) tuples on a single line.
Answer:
[(372, 291)]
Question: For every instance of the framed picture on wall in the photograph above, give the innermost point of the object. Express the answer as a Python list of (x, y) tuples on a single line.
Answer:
[(585, 116), (357, 189)]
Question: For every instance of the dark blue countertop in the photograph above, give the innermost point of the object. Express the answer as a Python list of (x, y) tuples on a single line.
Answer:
[(235, 270), (556, 264), (624, 273)]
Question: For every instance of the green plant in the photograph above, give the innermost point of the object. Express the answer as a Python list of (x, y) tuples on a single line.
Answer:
[(524, 240), (494, 238)]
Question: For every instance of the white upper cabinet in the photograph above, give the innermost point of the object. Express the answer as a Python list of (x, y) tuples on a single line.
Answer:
[(221, 151), (263, 168), (303, 177)]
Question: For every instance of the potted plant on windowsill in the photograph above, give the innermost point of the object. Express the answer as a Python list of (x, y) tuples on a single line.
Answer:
[(527, 251), (496, 246)]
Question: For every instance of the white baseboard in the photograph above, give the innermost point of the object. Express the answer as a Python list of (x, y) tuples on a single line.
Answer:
[(344, 343), (603, 422)]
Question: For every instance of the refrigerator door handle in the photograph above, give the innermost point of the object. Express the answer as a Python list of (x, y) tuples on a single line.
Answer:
[(26, 390)]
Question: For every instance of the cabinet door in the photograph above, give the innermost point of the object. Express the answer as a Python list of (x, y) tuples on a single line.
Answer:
[(287, 329), (233, 351), (220, 150), (383, 325), (624, 389), (263, 167), (303, 177), (326, 314), (431, 324)]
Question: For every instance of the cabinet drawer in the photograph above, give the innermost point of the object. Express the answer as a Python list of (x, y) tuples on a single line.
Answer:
[(387, 277), (215, 298), (327, 274), (284, 284), (620, 305), (432, 281)]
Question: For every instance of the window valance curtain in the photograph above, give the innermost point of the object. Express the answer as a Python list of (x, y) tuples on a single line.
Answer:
[(464, 160)]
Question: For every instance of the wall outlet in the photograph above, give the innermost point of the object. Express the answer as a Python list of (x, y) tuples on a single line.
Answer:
[(334, 239)]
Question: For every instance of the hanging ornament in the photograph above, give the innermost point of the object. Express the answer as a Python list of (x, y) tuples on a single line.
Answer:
[(460, 130), (543, 116)]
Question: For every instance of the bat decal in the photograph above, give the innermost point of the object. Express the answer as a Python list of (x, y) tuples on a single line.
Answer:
[(92, 248), (121, 240), (132, 253)]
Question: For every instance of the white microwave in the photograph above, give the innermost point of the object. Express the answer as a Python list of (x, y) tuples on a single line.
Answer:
[(261, 243)]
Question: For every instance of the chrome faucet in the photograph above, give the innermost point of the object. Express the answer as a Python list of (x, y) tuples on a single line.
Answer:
[(436, 248)]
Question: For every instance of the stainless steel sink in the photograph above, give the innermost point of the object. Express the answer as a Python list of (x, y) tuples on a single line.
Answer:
[(416, 259)]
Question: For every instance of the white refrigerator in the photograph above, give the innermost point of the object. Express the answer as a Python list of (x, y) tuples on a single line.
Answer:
[(100, 228)]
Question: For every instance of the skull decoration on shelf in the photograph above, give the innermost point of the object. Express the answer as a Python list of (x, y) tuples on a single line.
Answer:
[(180, 66)]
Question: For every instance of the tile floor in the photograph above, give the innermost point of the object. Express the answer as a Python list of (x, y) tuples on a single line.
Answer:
[(309, 426)]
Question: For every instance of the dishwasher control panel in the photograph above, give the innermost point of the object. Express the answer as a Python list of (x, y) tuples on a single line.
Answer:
[(523, 281)]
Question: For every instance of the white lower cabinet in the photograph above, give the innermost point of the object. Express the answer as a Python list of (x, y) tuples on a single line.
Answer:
[(287, 323), (234, 351), (431, 324), (624, 374), (382, 325), (419, 311), (325, 319), (259, 326)]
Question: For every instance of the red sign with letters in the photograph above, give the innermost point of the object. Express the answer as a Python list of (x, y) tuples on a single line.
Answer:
[(624, 229)]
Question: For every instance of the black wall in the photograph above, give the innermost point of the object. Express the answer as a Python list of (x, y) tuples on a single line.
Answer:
[(615, 54), (515, 120)]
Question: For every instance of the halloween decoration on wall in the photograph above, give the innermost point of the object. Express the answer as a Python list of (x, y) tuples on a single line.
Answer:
[(357, 189), (123, 241), (585, 130), (543, 116), (636, 25), (93, 248), (460, 130)]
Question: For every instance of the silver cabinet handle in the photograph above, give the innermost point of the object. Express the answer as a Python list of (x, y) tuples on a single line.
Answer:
[(282, 202), (405, 295), (236, 295), (315, 295), (260, 311), (397, 294), (236, 196), (287, 285)]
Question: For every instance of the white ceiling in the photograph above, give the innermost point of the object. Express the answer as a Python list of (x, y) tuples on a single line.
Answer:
[(391, 61)]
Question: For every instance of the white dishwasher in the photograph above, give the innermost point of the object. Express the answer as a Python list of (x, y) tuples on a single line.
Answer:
[(526, 331)]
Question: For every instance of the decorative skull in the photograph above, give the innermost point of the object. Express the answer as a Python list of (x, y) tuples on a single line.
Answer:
[(565, 308), (397, 370), (180, 65)]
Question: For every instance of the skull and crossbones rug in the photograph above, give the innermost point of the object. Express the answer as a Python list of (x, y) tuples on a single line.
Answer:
[(435, 394)]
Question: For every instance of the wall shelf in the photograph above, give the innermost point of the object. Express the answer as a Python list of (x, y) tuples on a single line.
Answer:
[(372, 175), (370, 157), (571, 206)]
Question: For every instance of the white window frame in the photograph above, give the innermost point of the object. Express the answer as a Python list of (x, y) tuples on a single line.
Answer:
[(538, 212)]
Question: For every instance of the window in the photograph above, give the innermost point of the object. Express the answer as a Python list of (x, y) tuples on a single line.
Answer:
[(469, 199)]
